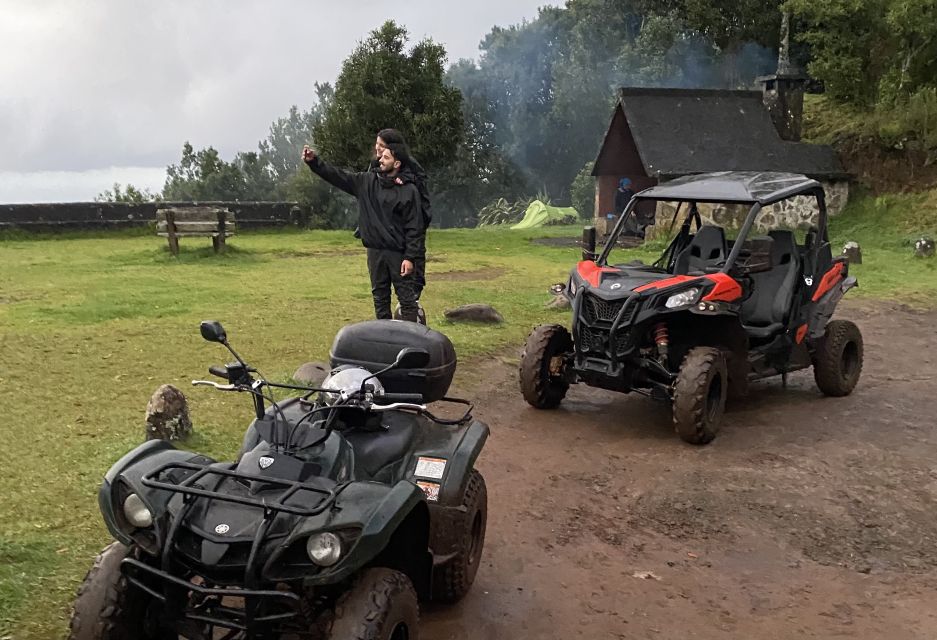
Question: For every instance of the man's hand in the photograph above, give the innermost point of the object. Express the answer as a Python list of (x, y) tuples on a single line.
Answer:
[(406, 268), (308, 153)]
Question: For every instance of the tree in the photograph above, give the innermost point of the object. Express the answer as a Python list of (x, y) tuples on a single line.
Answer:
[(203, 175), (870, 52), (283, 146), (130, 194), (383, 85)]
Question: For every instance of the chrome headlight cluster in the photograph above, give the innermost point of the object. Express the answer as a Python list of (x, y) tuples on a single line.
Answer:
[(683, 298), (136, 512)]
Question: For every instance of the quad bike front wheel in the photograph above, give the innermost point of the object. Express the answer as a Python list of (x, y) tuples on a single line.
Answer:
[(381, 605), (699, 397), (108, 607), (543, 366), (452, 580), (837, 358)]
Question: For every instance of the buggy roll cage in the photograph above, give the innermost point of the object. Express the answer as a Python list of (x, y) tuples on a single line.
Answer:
[(662, 194)]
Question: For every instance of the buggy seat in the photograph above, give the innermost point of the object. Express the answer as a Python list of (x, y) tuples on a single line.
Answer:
[(765, 312), (706, 249)]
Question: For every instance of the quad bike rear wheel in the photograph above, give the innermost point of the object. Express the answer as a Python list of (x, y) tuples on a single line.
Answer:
[(108, 607), (699, 397), (543, 366), (381, 605), (452, 580), (837, 358)]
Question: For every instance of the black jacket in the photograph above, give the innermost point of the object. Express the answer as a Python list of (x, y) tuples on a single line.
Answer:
[(413, 172), (389, 214)]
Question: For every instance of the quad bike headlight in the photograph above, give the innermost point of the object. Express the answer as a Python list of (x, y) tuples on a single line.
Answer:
[(685, 297), (324, 548), (136, 512)]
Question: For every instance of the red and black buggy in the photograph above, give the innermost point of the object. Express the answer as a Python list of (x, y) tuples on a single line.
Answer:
[(711, 314)]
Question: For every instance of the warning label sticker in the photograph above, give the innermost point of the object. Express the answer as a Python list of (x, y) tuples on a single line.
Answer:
[(430, 467), (430, 490)]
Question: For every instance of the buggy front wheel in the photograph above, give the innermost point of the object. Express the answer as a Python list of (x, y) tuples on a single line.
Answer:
[(699, 397), (543, 366)]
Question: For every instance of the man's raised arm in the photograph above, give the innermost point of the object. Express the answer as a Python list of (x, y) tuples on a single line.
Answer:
[(339, 178)]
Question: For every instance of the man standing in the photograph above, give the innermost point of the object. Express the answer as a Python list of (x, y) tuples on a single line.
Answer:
[(390, 222)]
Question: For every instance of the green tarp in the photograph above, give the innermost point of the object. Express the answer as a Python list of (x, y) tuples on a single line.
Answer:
[(539, 215)]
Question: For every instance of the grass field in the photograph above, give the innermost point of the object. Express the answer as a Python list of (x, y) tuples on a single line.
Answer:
[(90, 326)]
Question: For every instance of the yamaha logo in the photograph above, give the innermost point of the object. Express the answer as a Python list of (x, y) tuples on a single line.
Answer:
[(222, 529), (615, 286), (265, 461)]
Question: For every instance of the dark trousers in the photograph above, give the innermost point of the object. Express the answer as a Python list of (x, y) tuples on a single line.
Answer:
[(384, 268), (419, 275)]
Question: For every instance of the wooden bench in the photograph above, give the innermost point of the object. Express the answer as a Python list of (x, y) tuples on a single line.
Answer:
[(195, 221)]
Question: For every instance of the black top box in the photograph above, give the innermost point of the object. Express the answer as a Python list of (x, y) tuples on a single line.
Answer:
[(374, 344)]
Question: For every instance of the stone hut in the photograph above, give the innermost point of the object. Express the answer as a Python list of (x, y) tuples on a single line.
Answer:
[(656, 135)]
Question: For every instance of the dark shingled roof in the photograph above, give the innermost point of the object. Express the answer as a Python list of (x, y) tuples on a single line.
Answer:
[(686, 131)]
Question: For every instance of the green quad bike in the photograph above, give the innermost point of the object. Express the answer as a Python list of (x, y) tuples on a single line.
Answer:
[(710, 315), (345, 505)]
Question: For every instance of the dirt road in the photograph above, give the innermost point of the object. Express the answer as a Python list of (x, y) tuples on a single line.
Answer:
[(808, 517)]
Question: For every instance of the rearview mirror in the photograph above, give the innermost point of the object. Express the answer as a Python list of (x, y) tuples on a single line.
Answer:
[(410, 358), (588, 243), (213, 331)]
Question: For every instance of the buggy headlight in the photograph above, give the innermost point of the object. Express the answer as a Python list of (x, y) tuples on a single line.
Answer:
[(136, 512), (683, 298), (572, 287), (324, 548)]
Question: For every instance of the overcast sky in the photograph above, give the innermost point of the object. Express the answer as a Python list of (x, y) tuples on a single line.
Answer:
[(93, 92)]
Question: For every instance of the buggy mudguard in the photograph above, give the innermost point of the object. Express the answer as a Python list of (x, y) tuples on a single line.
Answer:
[(124, 477), (826, 305)]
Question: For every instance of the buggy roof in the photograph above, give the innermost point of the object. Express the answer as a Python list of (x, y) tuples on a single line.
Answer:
[(763, 187)]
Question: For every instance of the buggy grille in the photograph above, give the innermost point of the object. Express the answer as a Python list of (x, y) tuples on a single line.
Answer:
[(596, 341), (597, 309)]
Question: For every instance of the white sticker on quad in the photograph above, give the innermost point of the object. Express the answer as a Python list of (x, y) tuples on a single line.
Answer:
[(430, 490), (430, 467), (265, 461)]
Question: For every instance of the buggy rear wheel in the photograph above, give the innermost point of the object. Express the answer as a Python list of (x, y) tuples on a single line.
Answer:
[(381, 605), (837, 358), (452, 580), (543, 366), (699, 397), (108, 607)]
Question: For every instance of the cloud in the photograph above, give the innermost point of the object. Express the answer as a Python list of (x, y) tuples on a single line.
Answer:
[(123, 83)]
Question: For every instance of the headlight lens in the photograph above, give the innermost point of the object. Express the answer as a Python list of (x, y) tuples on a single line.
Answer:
[(136, 512), (572, 287), (683, 298), (324, 549)]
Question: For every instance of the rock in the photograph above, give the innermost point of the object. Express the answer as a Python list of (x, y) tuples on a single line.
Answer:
[(924, 247), (853, 252), (167, 415), (559, 302), (474, 313), (312, 373)]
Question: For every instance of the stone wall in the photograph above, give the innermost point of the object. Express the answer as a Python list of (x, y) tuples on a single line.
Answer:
[(794, 213), (76, 216)]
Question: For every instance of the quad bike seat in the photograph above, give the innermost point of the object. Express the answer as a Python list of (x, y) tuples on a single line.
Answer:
[(706, 249), (765, 312), (375, 449)]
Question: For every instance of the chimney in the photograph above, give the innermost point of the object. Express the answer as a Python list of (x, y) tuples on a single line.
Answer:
[(783, 92)]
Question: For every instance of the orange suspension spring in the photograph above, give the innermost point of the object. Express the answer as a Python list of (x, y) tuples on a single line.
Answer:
[(661, 339)]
